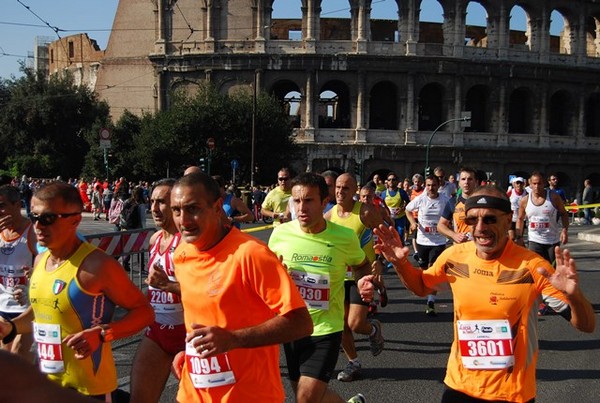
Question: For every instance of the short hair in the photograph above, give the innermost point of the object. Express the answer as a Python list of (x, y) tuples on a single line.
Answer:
[(433, 178), (170, 182), (539, 174), (330, 174), (10, 193), (313, 180), (69, 194), (438, 168), (200, 178), (370, 186), (417, 177), (468, 169)]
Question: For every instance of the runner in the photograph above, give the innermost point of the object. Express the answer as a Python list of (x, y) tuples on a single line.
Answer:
[(17, 244), (239, 303), (73, 290), (317, 254), (396, 199), (515, 194), (361, 218), (495, 285), (430, 243), (452, 223), (166, 336), (276, 201)]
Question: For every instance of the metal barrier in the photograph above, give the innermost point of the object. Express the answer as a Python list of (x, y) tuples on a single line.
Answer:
[(134, 243)]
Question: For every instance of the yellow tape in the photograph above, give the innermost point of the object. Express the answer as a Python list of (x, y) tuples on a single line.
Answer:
[(256, 229), (576, 206)]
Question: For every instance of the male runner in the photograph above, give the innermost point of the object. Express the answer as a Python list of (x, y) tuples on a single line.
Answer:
[(317, 254), (276, 201), (495, 285), (396, 199), (73, 291), (430, 243), (165, 337), (239, 303), (361, 218), (515, 195), (452, 222), (17, 243)]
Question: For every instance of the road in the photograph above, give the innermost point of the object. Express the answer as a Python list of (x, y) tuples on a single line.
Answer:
[(412, 366)]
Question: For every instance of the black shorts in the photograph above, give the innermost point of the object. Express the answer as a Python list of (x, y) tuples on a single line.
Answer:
[(428, 254), (10, 315), (545, 251), (351, 294), (314, 357)]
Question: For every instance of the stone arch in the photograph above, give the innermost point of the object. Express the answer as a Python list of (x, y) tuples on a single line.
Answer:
[(431, 106), (383, 106), (334, 105), (284, 19), (475, 26), (477, 101), (519, 35), (187, 87), (565, 41), (383, 27), (290, 95), (337, 19), (431, 27), (560, 114), (592, 36), (592, 115), (520, 111)]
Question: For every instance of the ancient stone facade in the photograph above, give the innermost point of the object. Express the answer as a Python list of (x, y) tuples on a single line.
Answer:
[(77, 54), (369, 93)]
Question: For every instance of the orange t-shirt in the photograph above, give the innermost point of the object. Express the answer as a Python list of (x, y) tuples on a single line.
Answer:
[(413, 195), (238, 283), (494, 291)]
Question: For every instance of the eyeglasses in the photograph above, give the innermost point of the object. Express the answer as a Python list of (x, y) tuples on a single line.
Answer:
[(283, 178), (392, 179), (519, 182), (553, 179), (49, 218), (487, 220)]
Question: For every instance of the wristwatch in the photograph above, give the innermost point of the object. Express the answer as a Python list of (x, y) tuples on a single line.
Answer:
[(106, 334)]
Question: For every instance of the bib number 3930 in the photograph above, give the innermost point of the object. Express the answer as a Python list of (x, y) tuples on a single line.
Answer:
[(208, 372), (485, 344)]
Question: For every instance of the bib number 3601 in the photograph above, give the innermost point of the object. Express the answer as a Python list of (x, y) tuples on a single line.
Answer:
[(485, 344)]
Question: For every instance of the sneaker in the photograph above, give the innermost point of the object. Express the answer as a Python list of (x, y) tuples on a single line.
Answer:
[(376, 340), (383, 299), (350, 373), (372, 309), (544, 309), (416, 257), (357, 399), (430, 311)]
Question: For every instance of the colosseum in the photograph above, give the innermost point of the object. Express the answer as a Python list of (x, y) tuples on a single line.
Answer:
[(368, 94)]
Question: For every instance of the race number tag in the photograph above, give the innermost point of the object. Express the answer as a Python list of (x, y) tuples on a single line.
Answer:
[(314, 288), (208, 372), (485, 344), (164, 301), (395, 212), (539, 223), (12, 276), (48, 339)]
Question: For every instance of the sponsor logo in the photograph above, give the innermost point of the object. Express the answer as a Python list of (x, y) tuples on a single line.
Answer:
[(483, 272), (51, 303), (298, 257), (493, 300), (486, 329), (41, 332)]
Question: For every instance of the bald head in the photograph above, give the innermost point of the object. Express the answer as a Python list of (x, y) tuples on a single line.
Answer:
[(192, 170), (345, 189)]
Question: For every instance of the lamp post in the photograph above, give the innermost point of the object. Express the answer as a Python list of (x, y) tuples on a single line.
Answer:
[(253, 140), (463, 119)]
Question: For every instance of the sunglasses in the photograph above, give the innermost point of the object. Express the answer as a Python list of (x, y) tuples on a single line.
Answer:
[(283, 178), (49, 218), (487, 220), (392, 179)]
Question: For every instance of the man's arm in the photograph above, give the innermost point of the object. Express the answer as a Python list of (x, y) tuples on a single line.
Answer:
[(390, 245), (520, 224), (564, 216), (245, 213), (369, 216), (213, 340)]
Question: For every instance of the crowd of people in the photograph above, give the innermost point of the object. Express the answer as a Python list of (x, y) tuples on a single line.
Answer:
[(219, 301)]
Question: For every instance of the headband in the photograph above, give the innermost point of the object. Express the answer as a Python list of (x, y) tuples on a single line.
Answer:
[(486, 201)]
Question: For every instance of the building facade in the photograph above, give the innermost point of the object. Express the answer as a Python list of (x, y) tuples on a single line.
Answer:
[(367, 94)]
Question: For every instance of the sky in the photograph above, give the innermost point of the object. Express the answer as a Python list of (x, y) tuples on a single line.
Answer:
[(22, 20)]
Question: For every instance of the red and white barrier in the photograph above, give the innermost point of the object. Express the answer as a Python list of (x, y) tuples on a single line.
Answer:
[(122, 242)]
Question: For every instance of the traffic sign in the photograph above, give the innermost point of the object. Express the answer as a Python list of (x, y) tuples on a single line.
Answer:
[(210, 143), (105, 138), (235, 164)]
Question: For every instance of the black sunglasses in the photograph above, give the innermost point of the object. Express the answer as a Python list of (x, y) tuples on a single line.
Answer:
[(49, 218), (487, 220), (283, 178)]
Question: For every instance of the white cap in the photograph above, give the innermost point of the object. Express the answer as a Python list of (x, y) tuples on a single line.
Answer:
[(518, 179)]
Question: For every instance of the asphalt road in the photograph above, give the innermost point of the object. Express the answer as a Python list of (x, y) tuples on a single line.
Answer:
[(412, 366)]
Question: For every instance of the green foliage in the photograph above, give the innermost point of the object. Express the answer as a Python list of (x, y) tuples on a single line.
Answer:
[(44, 125)]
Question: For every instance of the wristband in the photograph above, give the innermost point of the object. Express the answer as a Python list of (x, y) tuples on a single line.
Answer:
[(11, 336)]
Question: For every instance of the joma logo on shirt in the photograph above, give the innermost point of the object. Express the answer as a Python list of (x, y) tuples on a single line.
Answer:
[(297, 257), (483, 272)]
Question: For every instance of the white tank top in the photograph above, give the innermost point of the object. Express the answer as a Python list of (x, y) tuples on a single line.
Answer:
[(167, 306), (543, 226), (515, 200), (14, 254)]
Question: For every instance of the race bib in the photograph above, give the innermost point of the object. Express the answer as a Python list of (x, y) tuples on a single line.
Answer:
[(485, 344), (49, 347), (396, 212), (164, 301), (314, 288), (208, 372), (539, 223), (11, 277)]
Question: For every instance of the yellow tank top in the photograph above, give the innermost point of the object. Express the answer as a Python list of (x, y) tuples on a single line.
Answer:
[(352, 221), (59, 302)]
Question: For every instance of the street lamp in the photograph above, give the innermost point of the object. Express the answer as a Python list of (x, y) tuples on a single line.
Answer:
[(466, 118), (253, 140)]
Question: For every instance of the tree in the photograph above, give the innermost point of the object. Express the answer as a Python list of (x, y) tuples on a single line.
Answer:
[(44, 125)]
